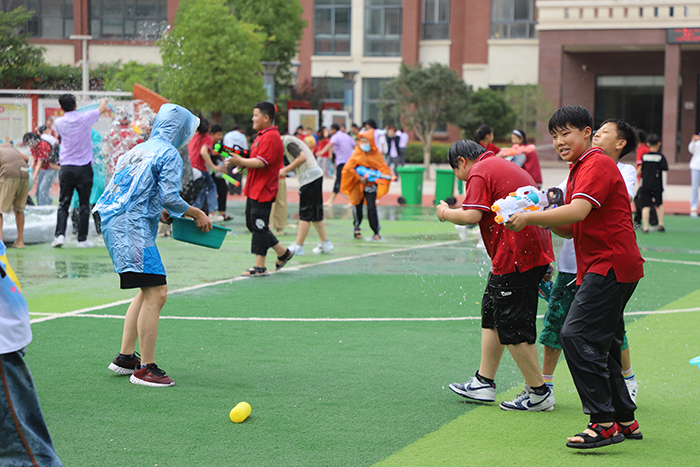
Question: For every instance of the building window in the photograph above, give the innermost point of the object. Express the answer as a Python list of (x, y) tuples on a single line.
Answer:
[(436, 19), (372, 97), (634, 99), (332, 27), (512, 19), (332, 89), (142, 20), (383, 28), (52, 19)]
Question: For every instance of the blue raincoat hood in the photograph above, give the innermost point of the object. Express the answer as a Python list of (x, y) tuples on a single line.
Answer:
[(174, 124)]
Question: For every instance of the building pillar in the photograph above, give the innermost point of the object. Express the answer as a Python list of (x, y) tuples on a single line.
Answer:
[(672, 72), (411, 31)]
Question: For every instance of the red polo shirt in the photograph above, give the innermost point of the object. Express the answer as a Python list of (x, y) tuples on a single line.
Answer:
[(490, 179), (261, 184), (605, 238)]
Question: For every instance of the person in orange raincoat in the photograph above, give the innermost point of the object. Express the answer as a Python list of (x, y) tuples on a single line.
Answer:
[(360, 189)]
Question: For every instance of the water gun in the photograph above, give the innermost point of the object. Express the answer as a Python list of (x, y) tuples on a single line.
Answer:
[(516, 149), (226, 151), (527, 198), (373, 175)]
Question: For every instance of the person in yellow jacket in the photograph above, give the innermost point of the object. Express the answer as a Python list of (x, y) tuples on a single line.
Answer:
[(367, 188)]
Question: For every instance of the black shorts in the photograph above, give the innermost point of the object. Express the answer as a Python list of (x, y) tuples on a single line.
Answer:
[(650, 197), (338, 177), (510, 305), (135, 280), (311, 201)]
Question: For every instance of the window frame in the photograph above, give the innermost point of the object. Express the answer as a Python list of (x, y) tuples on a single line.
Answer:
[(436, 23), (529, 23), (335, 40), (35, 25), (383, 40), (129, 14)]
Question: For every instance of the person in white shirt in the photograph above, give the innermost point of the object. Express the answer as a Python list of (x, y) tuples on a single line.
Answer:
[(694, 149), (236, 137)]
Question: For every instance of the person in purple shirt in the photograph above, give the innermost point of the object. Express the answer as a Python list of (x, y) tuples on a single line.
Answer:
[(75, 158), (342, 145)]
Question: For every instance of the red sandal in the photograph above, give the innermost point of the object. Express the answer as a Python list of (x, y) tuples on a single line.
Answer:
[(629, 430), (606, 437)]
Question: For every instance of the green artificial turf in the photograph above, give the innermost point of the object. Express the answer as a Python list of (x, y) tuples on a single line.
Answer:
[(344, 393)]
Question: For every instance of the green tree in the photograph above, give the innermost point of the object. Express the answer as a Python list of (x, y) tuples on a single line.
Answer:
[(19, 59), (423, 98), (490, 107), (124, 77), (281, 21), (530, 105), (211, 60)]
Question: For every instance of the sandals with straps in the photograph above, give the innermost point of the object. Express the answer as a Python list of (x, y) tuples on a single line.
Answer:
[(256, 271), (605, 437), (282, 260), (358, 234), (629, 430)]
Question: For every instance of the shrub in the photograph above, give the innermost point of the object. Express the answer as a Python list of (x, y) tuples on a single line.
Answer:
[(438, 153)]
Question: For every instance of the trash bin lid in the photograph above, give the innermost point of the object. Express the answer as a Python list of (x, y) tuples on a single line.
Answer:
[(410, 168), (445, 171)]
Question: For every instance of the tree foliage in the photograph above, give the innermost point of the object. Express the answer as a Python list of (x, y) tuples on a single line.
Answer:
[(281, 21), (423, 98), (124, 76), (530, 105), (19, 59), (488, 107), (211, 60)]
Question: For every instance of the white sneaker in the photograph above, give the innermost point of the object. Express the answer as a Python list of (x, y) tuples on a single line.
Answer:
[(58, 241), (632, 387), (216, 217), (86, 244), (528, 401), (298, 250), (476, 390), (325, 247), (694, 214)]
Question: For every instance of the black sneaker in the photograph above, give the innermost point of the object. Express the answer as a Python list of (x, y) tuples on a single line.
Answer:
[(125, 365)]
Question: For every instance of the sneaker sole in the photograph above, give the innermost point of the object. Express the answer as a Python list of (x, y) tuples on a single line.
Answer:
[(141, 382), (464, 394), (120, 370), (537, 409)]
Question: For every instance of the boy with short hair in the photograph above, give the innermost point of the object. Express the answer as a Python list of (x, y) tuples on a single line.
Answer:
[(651, 191), (264, 165), (519, 261), (597, 215)]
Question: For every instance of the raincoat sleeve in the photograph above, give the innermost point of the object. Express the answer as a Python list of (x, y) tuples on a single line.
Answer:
[(169, 176), (350, 181)]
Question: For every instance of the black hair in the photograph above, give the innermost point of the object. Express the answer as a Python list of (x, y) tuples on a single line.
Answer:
[(354, 125), (521, 133), (203, 127), (641, 135), (216, 129), (571, 116), (67, 102), (30, 138), (235, 127), (624, 131), (335, 127), (482, 131), (42, 129), (266, 108), (465, 148), (653, 139), (371, 122)]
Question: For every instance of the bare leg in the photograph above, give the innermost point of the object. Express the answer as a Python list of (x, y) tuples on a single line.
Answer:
[(491, 353), (130, 333), (645, 218), (19, 220), (321, 230), (525, 356), (1, 221), (153, 300), (660, 214), (302, 232), (549, 360), (626, 360)]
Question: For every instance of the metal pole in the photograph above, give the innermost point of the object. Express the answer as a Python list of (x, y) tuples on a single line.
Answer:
[(349, 95), (86, 64)]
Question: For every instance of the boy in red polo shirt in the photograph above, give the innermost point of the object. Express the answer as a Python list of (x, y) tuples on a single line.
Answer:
[(597, 215), (264, 165), (519, 261)]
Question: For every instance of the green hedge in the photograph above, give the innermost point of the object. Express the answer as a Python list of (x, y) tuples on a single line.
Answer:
[(438, 153)]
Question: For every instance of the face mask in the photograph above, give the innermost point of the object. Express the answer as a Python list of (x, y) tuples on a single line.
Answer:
[(365, 147)]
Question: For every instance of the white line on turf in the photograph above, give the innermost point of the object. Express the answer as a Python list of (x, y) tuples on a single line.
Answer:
[(354, 320)]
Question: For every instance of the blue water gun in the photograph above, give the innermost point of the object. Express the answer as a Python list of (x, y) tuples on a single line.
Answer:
[(372, 175)]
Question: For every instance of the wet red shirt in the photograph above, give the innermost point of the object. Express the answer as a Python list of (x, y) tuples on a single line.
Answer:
[(605, 238), (490, 179)]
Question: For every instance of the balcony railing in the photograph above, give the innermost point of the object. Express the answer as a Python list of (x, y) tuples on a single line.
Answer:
[(331, 46), (617, 14)]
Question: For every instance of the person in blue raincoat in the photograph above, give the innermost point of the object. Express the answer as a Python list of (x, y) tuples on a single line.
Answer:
[(144, 190)]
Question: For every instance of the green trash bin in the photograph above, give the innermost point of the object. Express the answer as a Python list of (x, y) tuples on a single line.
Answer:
[(444, 184), (411, 183)]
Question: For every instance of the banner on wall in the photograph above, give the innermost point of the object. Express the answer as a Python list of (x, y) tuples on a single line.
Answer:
[(15, 119)]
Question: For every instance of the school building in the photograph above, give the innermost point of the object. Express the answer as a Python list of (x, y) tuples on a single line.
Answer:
[(634, 59)]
